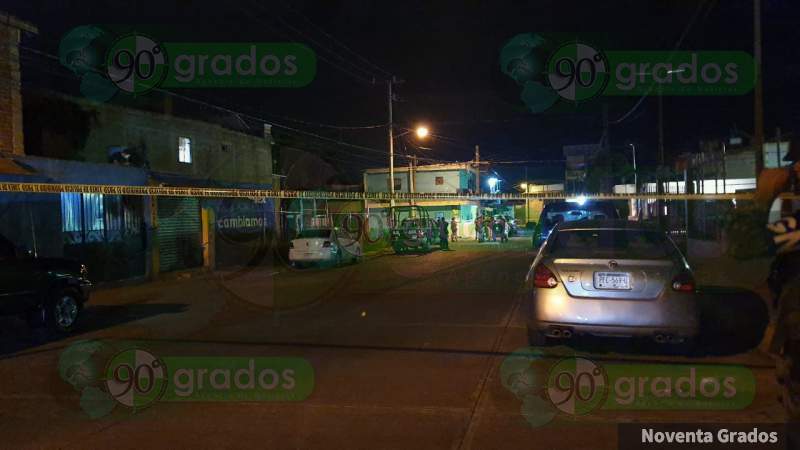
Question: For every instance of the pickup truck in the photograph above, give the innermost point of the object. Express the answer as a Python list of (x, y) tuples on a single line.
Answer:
[(47, 292)]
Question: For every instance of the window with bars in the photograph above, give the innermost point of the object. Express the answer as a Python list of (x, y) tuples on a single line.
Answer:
[(184, 150), (398, 184), (98, 217)]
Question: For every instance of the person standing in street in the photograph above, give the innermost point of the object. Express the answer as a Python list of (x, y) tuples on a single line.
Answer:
[(479, 229), (453, 229), (443, 243)]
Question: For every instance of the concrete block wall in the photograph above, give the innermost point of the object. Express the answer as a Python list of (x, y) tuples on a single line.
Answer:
[(11, 137)]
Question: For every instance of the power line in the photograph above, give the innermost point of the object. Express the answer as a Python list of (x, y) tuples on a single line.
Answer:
[(674, 49), (230, 111), (368, 62), (323, 47), (529, 161)]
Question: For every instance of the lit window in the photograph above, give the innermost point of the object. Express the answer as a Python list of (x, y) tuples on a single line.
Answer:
[(185, 150), (71, 212), (93, 212)]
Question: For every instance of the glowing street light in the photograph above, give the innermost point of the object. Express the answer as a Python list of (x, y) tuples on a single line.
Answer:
[(422, 132)]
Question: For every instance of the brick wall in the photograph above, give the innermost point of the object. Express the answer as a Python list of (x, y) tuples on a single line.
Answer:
[(11, 140)]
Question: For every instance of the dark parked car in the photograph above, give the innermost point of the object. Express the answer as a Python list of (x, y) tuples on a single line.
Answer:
[(569, 211), (46, 291), (414, 234)]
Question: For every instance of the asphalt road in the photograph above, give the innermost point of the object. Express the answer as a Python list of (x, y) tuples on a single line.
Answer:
[(407, 352)]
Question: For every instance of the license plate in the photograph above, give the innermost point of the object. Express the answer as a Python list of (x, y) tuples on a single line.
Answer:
[(612, 280)]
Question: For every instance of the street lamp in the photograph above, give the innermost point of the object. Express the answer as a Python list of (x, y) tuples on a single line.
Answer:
[(492, 183), (421, 131)]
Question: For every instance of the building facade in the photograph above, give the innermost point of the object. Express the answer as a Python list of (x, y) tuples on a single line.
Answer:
[(455, 178)]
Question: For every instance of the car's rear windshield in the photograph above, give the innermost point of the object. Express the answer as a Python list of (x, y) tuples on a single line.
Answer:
[(570, 212), (620, 244), (324, 233)]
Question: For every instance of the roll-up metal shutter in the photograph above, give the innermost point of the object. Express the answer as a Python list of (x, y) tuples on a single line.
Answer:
[(179, 233)]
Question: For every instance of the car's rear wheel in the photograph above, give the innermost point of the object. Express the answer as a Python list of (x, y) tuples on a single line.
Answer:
[(62, 311)]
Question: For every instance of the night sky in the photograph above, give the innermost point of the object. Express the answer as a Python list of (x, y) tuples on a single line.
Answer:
[(447, 55)]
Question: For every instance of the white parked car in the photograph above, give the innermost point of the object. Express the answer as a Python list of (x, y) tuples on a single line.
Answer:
[(323, 245)]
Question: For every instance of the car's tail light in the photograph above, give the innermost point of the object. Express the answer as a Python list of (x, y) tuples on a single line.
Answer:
[(544, 277), (683, 282), (326, 244)]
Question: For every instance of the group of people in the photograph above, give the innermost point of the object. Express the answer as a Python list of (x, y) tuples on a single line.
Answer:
[(488, 227)]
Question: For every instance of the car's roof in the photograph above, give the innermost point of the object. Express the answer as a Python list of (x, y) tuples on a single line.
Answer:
[(605, 224), (589, 204)]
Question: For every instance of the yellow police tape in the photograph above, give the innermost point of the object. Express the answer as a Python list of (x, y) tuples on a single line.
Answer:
[(256, 194)]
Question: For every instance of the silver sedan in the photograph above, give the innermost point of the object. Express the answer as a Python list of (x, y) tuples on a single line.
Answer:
[(611, 278)]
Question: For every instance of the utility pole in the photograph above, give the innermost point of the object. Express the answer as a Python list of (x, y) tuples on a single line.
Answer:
[(391, 147), (660, 127), (724, 169), (527, 187), (661, 160), (478, 166), (758, 102), (412, 182)]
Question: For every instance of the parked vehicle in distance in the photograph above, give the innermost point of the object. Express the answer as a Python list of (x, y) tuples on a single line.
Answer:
[(323, 245), (570, 211), (414, 235), (513, 227), (611, 278), (48, 292)]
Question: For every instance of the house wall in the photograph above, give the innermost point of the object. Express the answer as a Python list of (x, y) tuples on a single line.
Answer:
[(217, 153), (452, 181), (424, 181), (379, 182), (11, 137)]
